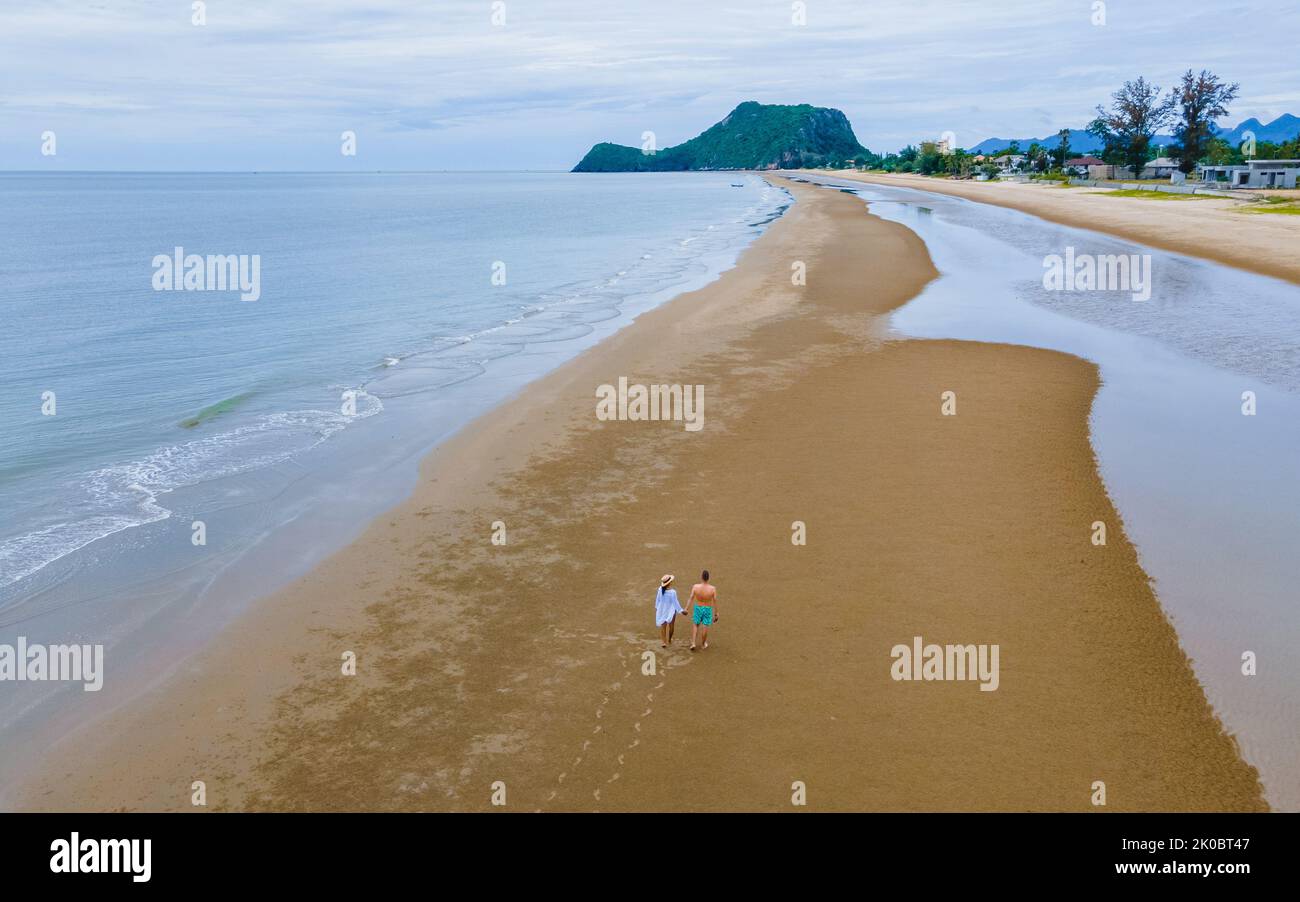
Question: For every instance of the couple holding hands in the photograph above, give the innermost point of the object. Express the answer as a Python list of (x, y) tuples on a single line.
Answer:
[(704, 609)]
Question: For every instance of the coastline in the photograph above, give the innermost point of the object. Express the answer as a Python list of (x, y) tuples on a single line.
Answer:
[(521, 662), (1206, 227), (155, 601)]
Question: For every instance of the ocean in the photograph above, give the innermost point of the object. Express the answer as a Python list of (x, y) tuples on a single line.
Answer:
[(169, 455)]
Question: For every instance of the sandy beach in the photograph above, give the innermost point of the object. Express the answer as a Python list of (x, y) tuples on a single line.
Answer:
[(1203, 226), (524, 664)]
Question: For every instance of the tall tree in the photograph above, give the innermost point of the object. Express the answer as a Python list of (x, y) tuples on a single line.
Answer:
[(1062, 151), (1135, 115), (1036, 157), (1203, 99)]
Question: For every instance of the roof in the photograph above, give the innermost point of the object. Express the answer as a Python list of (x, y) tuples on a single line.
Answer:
[(1162, 161), (1085, 161), (1285, 164)]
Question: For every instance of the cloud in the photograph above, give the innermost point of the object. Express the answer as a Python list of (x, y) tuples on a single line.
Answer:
[(135, 85)]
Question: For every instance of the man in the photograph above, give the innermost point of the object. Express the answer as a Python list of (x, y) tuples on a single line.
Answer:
[(704, 609)]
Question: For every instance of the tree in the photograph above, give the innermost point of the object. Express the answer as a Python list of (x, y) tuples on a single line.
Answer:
[(959, 163), (1220, 153), (929, 160), (1036, 157), (1135, 115), (1062, 151), (1203, 99)]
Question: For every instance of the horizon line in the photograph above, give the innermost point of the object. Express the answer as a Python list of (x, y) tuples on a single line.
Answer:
[(258, 171)]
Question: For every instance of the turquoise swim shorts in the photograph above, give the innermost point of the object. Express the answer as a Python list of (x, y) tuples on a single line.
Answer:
[(703, 615)]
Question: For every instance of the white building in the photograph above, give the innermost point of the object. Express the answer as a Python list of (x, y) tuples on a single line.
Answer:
[(1010, 162), (1255, 174)]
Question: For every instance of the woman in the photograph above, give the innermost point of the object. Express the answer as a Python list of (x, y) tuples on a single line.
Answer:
[(666, 610)]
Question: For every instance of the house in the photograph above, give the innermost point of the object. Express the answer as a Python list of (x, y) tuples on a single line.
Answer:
[(1010, 162), (1081, 167), (1255, 174), (1159, 168)]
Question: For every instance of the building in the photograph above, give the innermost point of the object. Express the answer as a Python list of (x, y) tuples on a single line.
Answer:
[(1010, 162), (1274, 173), (1159, 168), (1254, 174), (1224, 176), (1081, 167)]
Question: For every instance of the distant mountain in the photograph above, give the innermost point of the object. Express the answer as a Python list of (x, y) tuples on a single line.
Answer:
[(1080, 142), (752, 136), (1283, 128)]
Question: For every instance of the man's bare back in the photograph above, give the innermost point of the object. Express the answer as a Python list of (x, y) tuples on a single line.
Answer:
[(704, 609)]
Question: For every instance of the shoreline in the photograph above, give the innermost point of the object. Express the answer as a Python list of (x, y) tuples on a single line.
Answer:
[(479, 662), (1194, 228), (160, 608)]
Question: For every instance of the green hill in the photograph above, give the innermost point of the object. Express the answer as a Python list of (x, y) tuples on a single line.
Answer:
[(752, 136)]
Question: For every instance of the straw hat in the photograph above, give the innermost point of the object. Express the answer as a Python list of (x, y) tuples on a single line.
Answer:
[(666, 581)]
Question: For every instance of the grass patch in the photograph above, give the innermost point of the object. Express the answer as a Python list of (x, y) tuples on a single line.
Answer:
[(1157, 195), (1276, 205)]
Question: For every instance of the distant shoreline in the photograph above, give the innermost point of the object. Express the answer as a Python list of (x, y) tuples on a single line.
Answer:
[(1267, 245)]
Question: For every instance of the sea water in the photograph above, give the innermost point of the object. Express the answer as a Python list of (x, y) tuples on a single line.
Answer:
[(169, 455)]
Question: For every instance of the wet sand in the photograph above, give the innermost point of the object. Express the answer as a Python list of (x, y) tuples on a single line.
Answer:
[(1210, 227), (525, 663)]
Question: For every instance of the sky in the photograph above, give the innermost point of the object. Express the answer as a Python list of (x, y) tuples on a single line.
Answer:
[(532, 84)]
